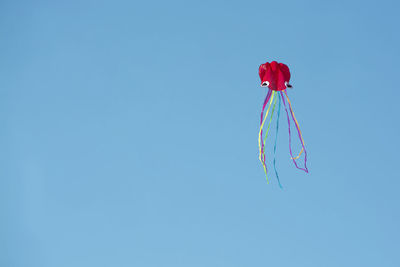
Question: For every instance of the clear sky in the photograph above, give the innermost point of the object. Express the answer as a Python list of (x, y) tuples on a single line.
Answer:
[(129, 134)]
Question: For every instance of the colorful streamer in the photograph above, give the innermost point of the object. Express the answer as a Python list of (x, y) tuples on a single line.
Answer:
[(261, 145)]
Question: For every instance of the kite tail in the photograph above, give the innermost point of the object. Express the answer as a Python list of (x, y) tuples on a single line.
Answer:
[(269, 124), (261, 120), (276, 138), (270, 120), (299, 133), (260, 144)]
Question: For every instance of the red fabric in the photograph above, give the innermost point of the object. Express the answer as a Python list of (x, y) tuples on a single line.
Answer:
[(276, 74)]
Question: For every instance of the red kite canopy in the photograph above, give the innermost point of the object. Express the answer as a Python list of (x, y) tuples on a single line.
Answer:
[(274, 75)]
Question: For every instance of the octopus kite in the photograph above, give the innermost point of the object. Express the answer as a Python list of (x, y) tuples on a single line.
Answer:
[(276, 77)]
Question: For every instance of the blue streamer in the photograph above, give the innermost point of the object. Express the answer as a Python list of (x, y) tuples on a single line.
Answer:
[(276, 137)]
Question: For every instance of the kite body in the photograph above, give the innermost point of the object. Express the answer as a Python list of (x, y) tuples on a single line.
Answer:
[(276, 77)]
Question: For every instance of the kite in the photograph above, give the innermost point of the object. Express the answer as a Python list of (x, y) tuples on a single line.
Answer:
[(276, 77)]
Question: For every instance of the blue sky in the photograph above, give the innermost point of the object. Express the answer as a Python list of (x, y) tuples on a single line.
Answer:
[(128, 134)]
